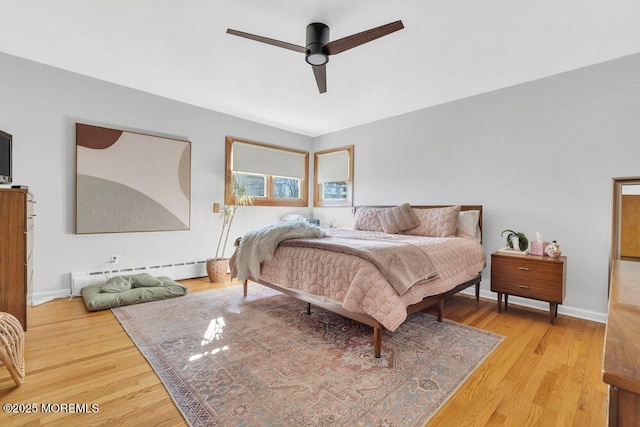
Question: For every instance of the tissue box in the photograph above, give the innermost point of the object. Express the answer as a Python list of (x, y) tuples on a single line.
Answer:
[(537, 248)]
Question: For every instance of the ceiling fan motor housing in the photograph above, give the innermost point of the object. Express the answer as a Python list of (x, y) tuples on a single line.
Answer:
[(317, 37)]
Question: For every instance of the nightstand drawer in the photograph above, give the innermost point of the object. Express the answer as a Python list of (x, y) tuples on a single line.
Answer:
[(550, 291), (527, 269)]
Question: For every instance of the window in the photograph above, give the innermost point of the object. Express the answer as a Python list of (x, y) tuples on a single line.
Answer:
[(272, 175), (333, 177)]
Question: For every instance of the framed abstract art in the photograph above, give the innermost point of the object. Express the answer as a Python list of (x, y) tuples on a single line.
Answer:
[(131, 182)]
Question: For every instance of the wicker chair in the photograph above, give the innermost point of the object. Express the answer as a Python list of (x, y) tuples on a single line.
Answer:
[(12, 346)]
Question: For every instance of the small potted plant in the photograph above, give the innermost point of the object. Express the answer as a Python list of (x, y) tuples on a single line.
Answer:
[(218, 265), (523, 242)]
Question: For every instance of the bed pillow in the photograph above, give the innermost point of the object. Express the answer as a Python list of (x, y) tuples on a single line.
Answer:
[(468, 224), (367, 219), (436, 222), (400, 218)]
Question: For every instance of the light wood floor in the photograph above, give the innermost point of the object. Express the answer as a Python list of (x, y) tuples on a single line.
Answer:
[(540, 375)]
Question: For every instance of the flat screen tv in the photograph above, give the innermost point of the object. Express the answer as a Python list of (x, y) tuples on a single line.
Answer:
[(5, 157)]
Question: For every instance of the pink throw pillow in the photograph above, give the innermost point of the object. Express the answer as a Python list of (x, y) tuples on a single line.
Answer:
[(399, 218), (436, 222)]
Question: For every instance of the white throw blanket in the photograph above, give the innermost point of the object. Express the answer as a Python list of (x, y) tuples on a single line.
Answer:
[(259, 245)]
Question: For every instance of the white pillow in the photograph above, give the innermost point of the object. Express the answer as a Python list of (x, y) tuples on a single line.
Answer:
[(468, 224)]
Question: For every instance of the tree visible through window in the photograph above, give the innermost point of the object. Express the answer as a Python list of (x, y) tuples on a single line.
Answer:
[(286, 188), (335, 190), (255, 185)]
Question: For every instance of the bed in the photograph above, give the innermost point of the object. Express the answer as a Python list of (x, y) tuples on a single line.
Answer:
[(444, 243)]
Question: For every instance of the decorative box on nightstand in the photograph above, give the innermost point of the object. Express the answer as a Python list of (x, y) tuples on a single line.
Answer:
[(529, 276)]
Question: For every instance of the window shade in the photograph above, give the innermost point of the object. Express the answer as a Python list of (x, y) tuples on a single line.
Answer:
[(333, 167), (251, 158)]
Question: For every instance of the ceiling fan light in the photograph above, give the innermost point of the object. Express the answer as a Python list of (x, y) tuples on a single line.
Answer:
[(317, 58)]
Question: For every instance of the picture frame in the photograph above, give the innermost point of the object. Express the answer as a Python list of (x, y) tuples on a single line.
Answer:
[(131, 182)]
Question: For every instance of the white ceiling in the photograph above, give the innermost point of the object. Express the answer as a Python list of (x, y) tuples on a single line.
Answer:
[(449, 49)]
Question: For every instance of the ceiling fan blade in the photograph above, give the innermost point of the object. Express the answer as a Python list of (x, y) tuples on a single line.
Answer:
[(267, 40), (354, 40), (320, 71)]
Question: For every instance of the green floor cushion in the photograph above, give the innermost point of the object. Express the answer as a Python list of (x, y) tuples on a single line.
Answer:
[(134, 289)]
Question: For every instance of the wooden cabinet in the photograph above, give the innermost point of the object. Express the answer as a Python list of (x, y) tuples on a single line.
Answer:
[(529, 276), (16, 252), (621, 364)]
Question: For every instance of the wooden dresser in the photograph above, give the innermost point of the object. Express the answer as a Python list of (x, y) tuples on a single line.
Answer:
[(16, 252), (529, 276), (621, 360)]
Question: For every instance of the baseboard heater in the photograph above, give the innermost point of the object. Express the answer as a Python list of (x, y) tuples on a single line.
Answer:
[(177, 271)]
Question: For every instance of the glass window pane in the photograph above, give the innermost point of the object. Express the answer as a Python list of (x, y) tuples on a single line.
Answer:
[(255, 185), (286, 188), (334, 190)]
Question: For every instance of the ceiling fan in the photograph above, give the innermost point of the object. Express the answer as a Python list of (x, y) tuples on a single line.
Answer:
[(318, 47)]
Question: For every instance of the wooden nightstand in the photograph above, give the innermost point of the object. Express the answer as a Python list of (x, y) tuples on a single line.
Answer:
[(529, 276)]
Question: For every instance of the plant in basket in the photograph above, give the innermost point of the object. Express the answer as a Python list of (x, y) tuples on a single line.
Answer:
[(218, 265)]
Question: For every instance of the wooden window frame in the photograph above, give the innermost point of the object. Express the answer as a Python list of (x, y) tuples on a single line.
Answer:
[(269, 200), (318, 201)]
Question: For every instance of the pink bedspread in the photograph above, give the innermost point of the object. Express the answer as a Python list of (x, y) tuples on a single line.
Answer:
[(360, 286), (402, 263)]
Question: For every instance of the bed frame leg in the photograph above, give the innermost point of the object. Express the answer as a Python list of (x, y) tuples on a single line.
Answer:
[(478, 291), (309, 308), (377, 341), (244, 287), (440, 310)]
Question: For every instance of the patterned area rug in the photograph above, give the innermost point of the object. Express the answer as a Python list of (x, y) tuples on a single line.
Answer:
[(261, 360)]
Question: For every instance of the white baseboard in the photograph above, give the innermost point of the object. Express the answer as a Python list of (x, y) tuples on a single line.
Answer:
[(38, 298), (543, 306), (177, 271)]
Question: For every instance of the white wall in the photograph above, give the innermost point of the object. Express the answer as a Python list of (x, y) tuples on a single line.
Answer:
[(538, 156), (40, 105)]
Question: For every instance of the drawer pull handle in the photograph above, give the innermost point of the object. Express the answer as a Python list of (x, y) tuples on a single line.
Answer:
[(524, 268), (523, 286)]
